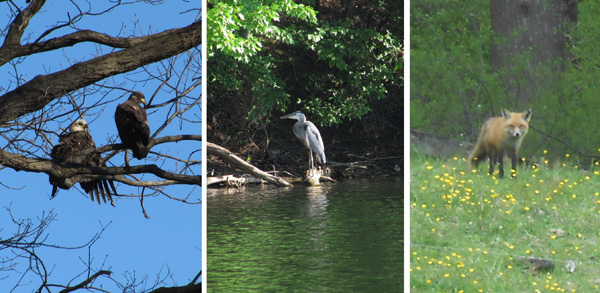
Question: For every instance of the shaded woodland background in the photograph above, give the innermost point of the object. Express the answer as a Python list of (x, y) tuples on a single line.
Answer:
[(470, 59), (340, 62)]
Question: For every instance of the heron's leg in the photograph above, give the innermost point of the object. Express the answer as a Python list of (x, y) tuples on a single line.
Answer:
[(311, 162)]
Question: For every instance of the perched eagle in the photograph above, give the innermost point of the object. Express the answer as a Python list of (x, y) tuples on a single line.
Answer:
[(69, 151), (132, 124)]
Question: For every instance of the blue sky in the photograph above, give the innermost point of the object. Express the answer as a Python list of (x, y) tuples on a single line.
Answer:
[(171, 239)]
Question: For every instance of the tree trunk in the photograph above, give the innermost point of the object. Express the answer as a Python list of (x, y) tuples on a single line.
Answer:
[(530, 43)]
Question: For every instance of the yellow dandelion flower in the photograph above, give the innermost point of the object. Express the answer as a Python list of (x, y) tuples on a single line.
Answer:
[(546, 151)]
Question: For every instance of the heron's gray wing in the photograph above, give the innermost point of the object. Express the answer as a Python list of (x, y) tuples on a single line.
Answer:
[(316, 142)]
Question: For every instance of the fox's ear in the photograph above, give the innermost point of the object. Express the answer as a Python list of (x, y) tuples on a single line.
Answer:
[(505, 113), (527, 115)]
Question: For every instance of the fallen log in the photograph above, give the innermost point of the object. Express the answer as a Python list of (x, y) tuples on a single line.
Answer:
[(228, 156)]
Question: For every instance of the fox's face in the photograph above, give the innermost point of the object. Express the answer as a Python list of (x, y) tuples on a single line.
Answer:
[(516, 124)]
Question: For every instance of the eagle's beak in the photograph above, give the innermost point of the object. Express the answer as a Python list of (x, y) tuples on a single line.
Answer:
[(143, 100)]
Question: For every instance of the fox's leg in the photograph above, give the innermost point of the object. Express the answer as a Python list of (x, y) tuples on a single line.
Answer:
[(492, 162), (513, 157), (500, 157)]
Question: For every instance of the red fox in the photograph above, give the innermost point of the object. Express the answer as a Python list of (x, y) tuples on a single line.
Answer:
[(500, 136)]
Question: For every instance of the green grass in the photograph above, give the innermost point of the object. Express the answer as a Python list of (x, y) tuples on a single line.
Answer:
[(468, 229)]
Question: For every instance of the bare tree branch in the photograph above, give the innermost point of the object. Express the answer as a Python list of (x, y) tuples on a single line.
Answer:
[(12, 41), (42, 89), (86, 282)]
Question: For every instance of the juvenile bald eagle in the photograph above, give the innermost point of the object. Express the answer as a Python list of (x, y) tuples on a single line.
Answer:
[(69, 152), (132, 124)]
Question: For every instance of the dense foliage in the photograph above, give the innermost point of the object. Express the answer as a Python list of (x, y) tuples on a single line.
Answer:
[(331, 60), (454, 90)]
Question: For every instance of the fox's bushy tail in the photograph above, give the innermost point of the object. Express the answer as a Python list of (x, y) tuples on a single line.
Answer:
[(479, 153)]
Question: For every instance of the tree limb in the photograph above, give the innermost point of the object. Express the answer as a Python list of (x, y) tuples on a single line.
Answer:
[(42, 89), (228, 156), (16, 29), (183, 289), (73, 174), (86, 282)]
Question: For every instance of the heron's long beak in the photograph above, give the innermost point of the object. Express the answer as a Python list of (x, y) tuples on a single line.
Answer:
[(288, 116)]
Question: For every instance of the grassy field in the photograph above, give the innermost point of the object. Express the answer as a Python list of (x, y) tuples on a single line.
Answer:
[(471, 232)]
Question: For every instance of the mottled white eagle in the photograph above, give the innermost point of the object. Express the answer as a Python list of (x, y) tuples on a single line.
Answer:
[(70, 151)]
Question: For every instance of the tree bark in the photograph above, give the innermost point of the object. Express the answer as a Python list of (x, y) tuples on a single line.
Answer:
[(529, 27)]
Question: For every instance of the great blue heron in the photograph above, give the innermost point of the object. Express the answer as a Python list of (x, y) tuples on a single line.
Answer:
[(310, 137)]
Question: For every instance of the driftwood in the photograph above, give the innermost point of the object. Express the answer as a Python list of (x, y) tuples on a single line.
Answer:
[(240, 164), (233, 181)]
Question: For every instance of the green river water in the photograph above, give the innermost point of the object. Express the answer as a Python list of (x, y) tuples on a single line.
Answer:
[(344, 237)]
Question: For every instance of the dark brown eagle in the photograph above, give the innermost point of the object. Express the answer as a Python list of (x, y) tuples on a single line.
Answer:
[(132, 124), (70, 150)]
